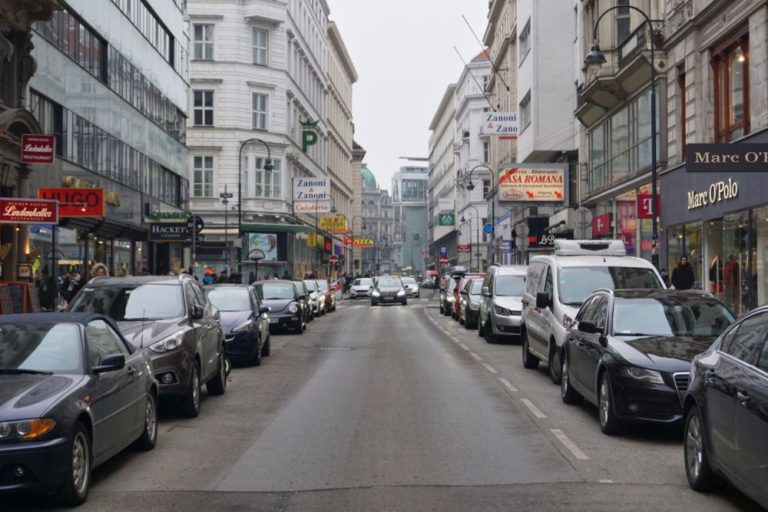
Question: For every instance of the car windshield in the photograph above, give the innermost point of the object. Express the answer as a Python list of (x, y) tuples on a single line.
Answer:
[(323, 285), (145, 302), (389, 282), (310, 285), (452, 283), (577, 283), (477, 287), (230, 299), (363, 282), (275, 291), (670, 317), (510, 286), (41, 347), (409, 280)]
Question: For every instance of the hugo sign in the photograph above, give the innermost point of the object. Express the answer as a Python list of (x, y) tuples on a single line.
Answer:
[(37, 149), (76, 202), (718, 192)]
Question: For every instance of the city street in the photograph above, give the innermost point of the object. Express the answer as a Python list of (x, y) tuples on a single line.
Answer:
[(396, 408)]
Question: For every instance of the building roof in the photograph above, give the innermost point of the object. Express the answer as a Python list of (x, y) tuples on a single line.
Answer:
[(369, 180), (483, 55)]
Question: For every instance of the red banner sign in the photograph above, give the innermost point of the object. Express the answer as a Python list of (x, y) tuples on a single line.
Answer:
[(76, 202), (462, 248), (601, 225), (37, 149), (28, 211), (645, 206)]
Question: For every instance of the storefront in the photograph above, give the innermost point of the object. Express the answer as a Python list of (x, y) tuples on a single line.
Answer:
[(719, 221), (626, 216)]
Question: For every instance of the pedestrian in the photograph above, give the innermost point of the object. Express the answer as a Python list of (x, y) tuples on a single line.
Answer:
[(286, 275), (682, 275), (48, 290), (99, 270), (222, 277)]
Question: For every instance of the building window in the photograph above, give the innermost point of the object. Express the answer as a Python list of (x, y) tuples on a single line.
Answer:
[(731, 76), (681, 101), (525, 111), (203, 108), (259, 104), (203, 176), (622, 21), (486, 187), (486, 151), (524, 41), (203, 41), (261, 183), (260, 46)]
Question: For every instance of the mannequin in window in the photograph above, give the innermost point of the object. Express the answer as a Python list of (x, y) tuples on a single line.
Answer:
[(731, 280), (716, 275)]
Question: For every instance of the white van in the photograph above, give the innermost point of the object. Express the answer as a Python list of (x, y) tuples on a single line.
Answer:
[(557, 284)]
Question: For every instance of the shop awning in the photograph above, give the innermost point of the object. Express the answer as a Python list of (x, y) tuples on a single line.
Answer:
[(276, 228)]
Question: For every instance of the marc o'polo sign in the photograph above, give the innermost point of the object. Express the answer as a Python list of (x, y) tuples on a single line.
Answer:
[(37, 149), (726, 158), (28, 211), (76, 202)]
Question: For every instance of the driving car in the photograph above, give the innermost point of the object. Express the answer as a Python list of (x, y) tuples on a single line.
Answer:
[(388, 290), (329, 295), (244, 319), (629, 352), (74, 394), (726, 410), (284, 303), (501, 307), (469, 305), (361, 287), (171, 319), (317, 299), (557, 284), (411, 287)]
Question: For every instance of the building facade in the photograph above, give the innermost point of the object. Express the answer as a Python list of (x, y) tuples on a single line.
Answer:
[(111, 86), (375, 244), (409, 204)]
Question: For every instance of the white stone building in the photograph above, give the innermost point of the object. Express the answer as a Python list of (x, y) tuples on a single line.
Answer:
[(441, 220)]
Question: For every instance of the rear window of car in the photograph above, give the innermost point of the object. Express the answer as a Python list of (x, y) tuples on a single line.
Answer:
[(575, 284)]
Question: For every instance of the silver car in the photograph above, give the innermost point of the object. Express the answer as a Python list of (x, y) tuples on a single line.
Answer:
[(361, 287), (411, 287), (501, 306)]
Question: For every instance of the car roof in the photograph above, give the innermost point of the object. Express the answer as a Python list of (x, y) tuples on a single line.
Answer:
[(136, 280), (510, 269), (651, 293), (54, 318), (594, 260), (276, 281), (225, 285)]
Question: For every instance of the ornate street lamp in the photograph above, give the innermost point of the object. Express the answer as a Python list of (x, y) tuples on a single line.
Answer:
[(267, 167)]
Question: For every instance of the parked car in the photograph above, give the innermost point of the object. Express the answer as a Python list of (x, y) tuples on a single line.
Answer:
[(469, 308), (361, 287), (411, 287), (556, 286), (284, 303), (171, 319), (630, 351), (456, 303), (448, 287), (244, 319), (305, 304), (74, 394), (329, 293), (317, 298), (388, 290), (726, 410), (501, 305)]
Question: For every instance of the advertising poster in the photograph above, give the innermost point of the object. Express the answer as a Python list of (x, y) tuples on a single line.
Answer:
[(625, 212), (267, 242), (529, 184)]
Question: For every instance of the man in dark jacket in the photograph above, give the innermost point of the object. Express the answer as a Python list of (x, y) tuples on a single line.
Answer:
[(682, 275)]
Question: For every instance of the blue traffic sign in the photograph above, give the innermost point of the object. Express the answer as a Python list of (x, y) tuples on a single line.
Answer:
[(488, 229), (443, 250)]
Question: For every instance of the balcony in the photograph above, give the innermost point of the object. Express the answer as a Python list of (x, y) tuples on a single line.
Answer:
[(627, 71)]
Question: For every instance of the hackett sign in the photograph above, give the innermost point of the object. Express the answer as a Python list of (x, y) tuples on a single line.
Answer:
[(717, 192), (28, 211), (726, 157)]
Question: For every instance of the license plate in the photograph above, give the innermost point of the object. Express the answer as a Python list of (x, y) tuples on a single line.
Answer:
[(273, 320)]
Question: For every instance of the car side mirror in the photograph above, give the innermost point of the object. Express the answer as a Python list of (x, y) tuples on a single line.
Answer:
[(588, 327), (197, 312), (542, 300), (485, 291), (110, 363), (264, 309)]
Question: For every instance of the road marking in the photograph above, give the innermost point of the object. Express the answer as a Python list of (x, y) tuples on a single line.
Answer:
[(535, 410), (477, 357), (490, 368), (464, 347), (605, 481), (508, 385), (572, 447)]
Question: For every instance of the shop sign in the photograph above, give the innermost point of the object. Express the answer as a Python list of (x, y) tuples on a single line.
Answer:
[(76, 202), (28, 211), (463, 248), (532, 184), (308, 134), (363, 242), (180, 216), (726, 157), (110, 198), (446, 219), (311, 195), (601, 225), (336, 224), (500, 123), (168, 232), (37, 149), (645, 206), (717, 192)]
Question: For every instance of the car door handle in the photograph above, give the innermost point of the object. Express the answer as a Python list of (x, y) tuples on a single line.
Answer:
[(742, 396), (131, 371)]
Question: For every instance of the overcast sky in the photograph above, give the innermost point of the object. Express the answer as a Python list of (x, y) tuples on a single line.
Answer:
[(404, 56)]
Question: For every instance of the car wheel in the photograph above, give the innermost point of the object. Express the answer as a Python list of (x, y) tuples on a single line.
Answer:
[(218, 384), (257, 355), (266, 350), (488, 331), (75, 489), (697, 469), (609, 423), (569, 395), (529, 360), (555, 363), (405, 302), (373, 303), (462, 319), (190, 402), (148, 437)]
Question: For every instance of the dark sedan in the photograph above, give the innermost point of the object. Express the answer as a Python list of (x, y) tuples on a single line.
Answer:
[(630, 351), (284, 303), (244, 320), (73, 393), (388, 290), (726, 410)]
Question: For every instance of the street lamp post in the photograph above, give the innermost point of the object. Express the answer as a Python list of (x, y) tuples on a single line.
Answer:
[(492, 197), (477, 236), (267, 167), (595, 59), (225, 201)]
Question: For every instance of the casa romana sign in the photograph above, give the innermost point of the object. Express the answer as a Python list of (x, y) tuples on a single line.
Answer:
[(726, 158), (717, 192)]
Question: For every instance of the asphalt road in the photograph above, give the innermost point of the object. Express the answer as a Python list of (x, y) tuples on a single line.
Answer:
[(395, 408)]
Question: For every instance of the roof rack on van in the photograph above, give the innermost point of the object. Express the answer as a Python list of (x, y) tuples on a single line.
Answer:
[(587, 247)]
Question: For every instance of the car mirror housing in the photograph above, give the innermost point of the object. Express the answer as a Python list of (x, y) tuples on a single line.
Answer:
[(485, 292), (264, 309), (588, 327), (196, 312), (110, 363), (542, 300)]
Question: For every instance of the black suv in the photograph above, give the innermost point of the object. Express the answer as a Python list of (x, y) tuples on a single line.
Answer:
[(173, 322)]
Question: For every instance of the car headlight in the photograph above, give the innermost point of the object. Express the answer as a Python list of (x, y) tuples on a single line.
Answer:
[(293, 308), (502, 311), (567, 321), (26, 429), (245, 327), (168, 344), (647, 376), (375, 293), (401, 293), (450, 298)]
